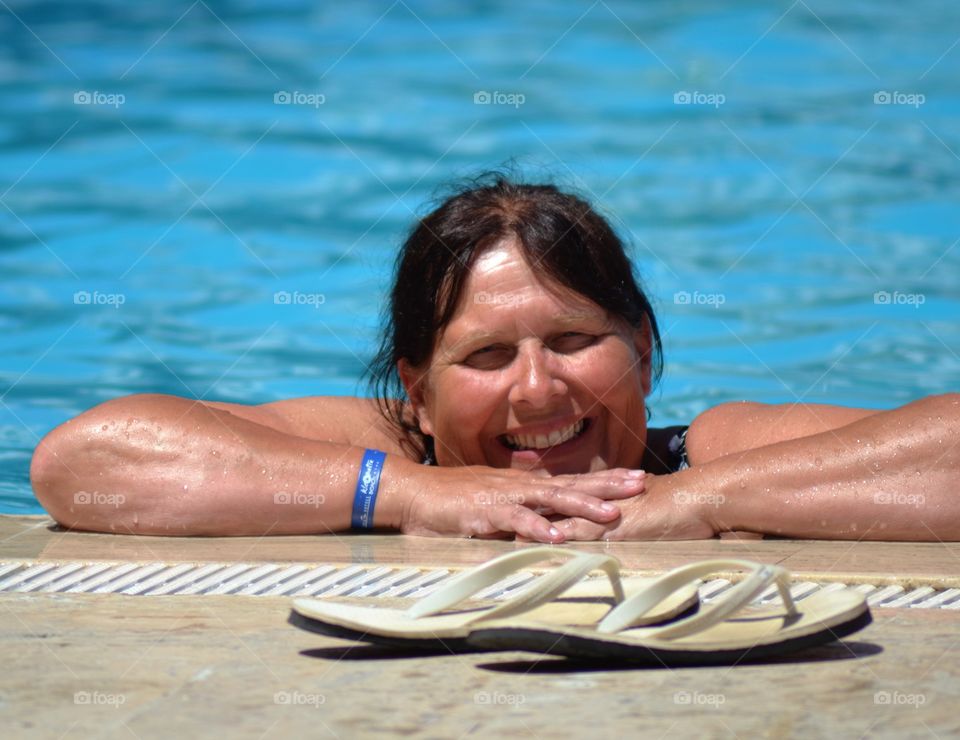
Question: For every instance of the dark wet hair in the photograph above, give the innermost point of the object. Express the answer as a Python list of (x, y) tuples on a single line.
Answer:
[(560, 234)]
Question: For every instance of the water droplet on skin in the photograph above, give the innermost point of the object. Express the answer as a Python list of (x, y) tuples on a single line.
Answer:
[(103, 428), (263, 471), (184, 486), (819, 462), (215, 453)]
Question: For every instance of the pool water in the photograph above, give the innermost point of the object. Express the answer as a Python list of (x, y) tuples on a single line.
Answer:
[(205, 199)]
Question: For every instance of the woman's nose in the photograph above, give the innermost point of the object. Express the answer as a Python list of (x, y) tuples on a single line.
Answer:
[(536, 382)]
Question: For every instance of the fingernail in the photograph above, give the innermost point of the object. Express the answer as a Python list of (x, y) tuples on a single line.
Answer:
[(637, 473), (608, 508)]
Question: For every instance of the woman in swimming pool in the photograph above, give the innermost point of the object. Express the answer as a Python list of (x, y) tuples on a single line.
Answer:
[(523, 350)]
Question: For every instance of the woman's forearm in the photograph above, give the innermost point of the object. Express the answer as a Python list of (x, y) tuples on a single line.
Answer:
[(172, 466), (893, 475)]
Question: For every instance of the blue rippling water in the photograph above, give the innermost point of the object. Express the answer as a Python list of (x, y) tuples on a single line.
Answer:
[(787, 174)]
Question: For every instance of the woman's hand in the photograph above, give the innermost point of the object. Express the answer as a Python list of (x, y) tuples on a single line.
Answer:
[(477, 501), (668, 510)]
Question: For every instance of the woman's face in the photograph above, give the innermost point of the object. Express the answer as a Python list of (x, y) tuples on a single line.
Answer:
[(529, 377)]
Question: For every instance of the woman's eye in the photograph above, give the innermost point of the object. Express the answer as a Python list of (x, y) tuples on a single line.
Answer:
[(489, 358), (572, 341)]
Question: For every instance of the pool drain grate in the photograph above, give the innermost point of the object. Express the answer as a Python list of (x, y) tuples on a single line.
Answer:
[(311, 579)]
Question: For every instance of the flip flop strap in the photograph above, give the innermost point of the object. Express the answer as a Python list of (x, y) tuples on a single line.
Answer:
[(469, 583), (759, 579)]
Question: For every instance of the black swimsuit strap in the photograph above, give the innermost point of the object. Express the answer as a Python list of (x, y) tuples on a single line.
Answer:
[(678, 451), (677, 446)]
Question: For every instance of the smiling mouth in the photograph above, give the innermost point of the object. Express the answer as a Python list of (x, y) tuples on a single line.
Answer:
[(518, 442)]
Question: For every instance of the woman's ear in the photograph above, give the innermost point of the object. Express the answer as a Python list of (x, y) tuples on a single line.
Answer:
[(414, 382), (643, 343)]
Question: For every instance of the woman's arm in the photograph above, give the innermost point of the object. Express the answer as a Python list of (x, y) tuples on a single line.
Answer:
[(887, 475), (164, 465)]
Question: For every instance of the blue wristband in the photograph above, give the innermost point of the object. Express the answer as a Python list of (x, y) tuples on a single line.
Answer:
[(365, 495)]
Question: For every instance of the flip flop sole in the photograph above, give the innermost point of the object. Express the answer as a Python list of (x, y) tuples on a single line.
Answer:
[(626, 648), (432, 645)]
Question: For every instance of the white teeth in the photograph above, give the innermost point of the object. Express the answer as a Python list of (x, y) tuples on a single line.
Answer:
[(542, 441)]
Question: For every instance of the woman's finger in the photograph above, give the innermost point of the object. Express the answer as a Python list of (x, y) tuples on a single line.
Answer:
[(525, 522), (577, 528), (606, 484), (552, 500)]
